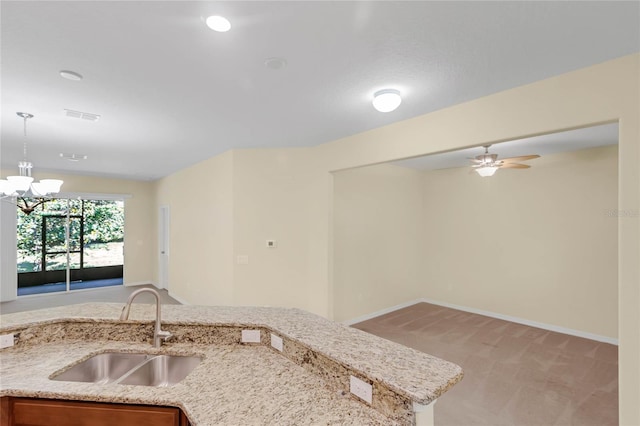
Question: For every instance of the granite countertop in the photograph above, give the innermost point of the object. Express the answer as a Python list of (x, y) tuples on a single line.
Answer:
[(236, 383)]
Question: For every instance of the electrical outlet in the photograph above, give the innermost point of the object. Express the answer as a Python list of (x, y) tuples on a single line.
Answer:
[(250, 336), (276, 342), (272, 244), (6, 340), (361, 389)]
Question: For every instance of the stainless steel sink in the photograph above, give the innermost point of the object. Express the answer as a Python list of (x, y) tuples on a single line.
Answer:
[(131, 369), (161, 371), (102, 368)]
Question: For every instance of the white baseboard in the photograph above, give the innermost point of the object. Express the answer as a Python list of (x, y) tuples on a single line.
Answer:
[(380, 312), (182, 302), (536, 324), (544, 326), (139, 283)]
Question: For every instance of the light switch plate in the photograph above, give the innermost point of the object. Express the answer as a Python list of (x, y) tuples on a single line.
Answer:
[(250, 336), (276, 342), (6, 341), (361, 389)]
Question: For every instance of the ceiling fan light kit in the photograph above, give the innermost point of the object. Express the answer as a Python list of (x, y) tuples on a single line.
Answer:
[(487, 164), (486, 171)]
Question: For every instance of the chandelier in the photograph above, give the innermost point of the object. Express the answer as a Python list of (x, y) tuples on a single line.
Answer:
[(22, 186)]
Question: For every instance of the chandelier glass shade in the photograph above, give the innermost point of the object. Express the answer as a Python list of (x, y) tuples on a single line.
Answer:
[(22, 186)]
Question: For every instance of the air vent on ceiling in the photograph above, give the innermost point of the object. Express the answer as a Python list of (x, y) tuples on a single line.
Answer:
[(83, 115), (73, 157)]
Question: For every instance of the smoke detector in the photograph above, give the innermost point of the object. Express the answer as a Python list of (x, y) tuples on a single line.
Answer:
[(70, 75), (275, 63)]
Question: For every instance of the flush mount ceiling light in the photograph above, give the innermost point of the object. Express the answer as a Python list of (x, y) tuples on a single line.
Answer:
[(386, 100), (70, 75), (218, 23), (22, 186)]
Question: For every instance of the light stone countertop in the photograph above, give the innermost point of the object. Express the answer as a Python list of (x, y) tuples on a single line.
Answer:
[(236, 383)]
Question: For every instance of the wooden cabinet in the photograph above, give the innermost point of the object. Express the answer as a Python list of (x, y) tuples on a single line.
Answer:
[(53, 412)]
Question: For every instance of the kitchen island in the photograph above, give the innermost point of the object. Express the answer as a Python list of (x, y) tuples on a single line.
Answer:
[(306, 382)]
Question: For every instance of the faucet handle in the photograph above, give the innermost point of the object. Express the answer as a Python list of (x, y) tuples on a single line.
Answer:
[(164, 335), (124, 314)]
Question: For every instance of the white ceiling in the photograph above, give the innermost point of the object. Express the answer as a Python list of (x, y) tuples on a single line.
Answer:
[(572, 140), (171, 92)]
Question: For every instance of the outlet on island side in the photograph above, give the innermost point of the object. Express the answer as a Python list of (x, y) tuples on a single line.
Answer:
[(250, 336), (6, 340), (361, 389), (276, 342)]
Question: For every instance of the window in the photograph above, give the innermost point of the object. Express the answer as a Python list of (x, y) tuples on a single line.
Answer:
[(84, 236)]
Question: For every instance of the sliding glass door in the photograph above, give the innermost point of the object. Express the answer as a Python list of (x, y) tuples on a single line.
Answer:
[(68, 243)]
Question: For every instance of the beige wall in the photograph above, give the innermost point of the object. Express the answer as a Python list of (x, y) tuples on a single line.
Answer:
[(378, 242), (243, 199), (535, 244), (270, 186), (602, 93), (200, 201)]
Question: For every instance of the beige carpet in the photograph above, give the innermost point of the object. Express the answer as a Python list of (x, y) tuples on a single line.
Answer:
[(514, 375), (116, 294)]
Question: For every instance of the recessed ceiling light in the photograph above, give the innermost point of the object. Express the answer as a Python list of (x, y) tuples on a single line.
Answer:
[(275, 63), (386, 100), (218, 23), (70, 75)]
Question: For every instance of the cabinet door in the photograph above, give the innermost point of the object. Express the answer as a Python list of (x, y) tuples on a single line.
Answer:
[(49, 412), (4, 411)]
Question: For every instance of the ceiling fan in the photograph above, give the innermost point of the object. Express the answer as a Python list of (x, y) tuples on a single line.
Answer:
[(487, 164)]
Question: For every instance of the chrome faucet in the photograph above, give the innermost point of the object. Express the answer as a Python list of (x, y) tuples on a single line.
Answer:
[(158, 334)]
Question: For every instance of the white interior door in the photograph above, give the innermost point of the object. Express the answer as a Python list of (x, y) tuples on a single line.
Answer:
[(163, 247)]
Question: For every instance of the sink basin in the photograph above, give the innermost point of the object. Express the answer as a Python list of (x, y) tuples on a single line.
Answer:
[(131, 369), (102, 368), (161, 371)]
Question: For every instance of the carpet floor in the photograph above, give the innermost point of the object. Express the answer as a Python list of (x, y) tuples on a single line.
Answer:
[(513, 374)]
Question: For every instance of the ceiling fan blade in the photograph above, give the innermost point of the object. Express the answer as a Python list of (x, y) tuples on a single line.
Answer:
[(521, 158), (514, 166)]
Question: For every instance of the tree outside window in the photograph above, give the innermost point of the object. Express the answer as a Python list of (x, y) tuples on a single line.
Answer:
[(96, 235)]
